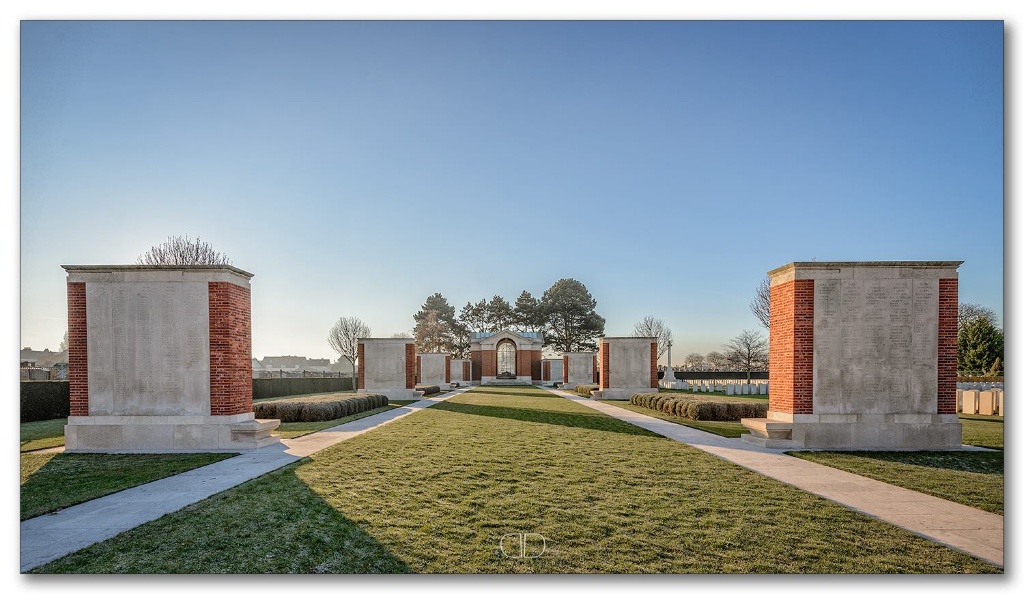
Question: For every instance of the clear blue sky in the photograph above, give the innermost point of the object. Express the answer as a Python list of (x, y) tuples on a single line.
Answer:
[(357, 167)]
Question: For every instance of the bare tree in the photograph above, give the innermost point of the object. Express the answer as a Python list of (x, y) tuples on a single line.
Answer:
[(652, 326), (432, 334), (64, 343), (968, 312), (182, 251), (761, 306), (716, 361), (747, 352), (694, 362), (344, 339)]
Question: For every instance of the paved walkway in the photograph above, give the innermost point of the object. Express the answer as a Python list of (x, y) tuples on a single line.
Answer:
[(966, 529), (52, 536), (972, 531)]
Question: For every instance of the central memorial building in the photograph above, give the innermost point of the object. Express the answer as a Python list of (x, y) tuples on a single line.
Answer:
[(506, 357)]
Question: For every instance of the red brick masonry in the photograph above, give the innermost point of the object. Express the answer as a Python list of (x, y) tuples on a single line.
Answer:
[(948, 296), (230, 349), (791, 347), (361, 360), (410, 366), (654, 365), (78, 350), (604, 375)]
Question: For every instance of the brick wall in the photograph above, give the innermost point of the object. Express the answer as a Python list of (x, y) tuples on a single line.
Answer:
[(419, 369), (522, 362), (791, 348), (466, 370), (230, 349), (411, 362), (603, 374), (489, 363), (361, 378), (535, 365), (78, 350), (565, 369), (448, 369), (477, 358), (654, 364), (948, 298)]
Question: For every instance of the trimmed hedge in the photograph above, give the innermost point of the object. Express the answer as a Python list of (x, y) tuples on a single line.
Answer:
[(585, 389), (317, 408), (428, 390), (698, 409), (42, 401)]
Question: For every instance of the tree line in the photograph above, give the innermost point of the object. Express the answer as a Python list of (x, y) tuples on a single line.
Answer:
[(565, 316)]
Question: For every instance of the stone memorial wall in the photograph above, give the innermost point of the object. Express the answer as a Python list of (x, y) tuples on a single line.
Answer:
[(863, 354)]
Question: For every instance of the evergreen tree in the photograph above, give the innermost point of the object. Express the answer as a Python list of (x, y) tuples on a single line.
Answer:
[(571, 322), (979, 346)]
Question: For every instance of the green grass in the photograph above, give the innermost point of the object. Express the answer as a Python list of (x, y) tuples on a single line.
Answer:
[(292, 430), (723, 428), (50, 482), (984, 431), (40, 435), (436, 491), (970, 478)]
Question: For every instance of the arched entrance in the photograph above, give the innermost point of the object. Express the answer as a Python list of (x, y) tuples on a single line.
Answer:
[(506, 359)]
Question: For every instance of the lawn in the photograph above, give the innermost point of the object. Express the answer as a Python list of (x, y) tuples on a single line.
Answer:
[(50, 482), (437, 491), (40, 435), (984, 431)]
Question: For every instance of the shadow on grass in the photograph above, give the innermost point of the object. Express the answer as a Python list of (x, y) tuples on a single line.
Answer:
[(51, 482), (274, 524), (984, 419), (582, 420)]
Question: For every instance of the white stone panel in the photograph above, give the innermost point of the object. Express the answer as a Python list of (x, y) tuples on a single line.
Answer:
[(384, 364), (149, 348), (432, 369), (629, 362), (581, 368)]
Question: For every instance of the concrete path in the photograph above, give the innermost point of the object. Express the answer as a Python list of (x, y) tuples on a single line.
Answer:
[(52, 536), (972, 531)]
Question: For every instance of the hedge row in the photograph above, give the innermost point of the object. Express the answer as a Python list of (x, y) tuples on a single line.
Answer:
[(584, 389), (698, 409), (293, 386), (428, 390), (42, 401), (304, 410)]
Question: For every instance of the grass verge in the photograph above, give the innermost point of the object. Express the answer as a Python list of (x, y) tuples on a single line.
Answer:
[(51, 482), (607, 497), (40, 435), (984, 431)]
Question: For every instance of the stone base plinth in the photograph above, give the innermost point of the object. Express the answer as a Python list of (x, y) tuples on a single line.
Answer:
[(520, 380), (620, 393), (861, 431), (167, 434), (395, 393)]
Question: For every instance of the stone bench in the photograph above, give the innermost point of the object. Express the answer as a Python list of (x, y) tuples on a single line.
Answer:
[(768, 433), (255, 433)]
